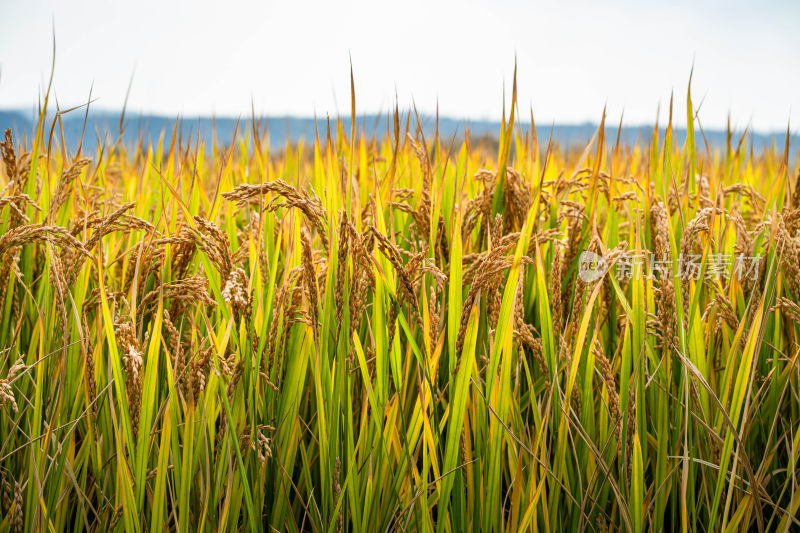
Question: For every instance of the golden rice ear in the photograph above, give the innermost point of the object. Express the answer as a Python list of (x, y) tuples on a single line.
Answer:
[(665, 295), (341, 266), (310, 281), (133, 363), (607, 373)]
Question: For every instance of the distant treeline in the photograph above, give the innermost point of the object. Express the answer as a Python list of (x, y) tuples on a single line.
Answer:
[(106, 127)]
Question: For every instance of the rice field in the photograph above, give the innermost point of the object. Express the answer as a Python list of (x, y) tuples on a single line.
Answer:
[(407, 334)]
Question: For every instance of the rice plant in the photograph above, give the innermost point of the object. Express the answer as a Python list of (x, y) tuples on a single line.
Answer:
[(399, 333)]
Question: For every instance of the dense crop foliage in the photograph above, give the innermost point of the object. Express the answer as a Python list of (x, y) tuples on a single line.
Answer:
[(378, 335)]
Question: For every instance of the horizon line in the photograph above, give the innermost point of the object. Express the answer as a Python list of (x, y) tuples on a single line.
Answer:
[(408, 113)]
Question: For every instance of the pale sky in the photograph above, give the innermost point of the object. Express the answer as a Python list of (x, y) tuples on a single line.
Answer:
[(204, 57)]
